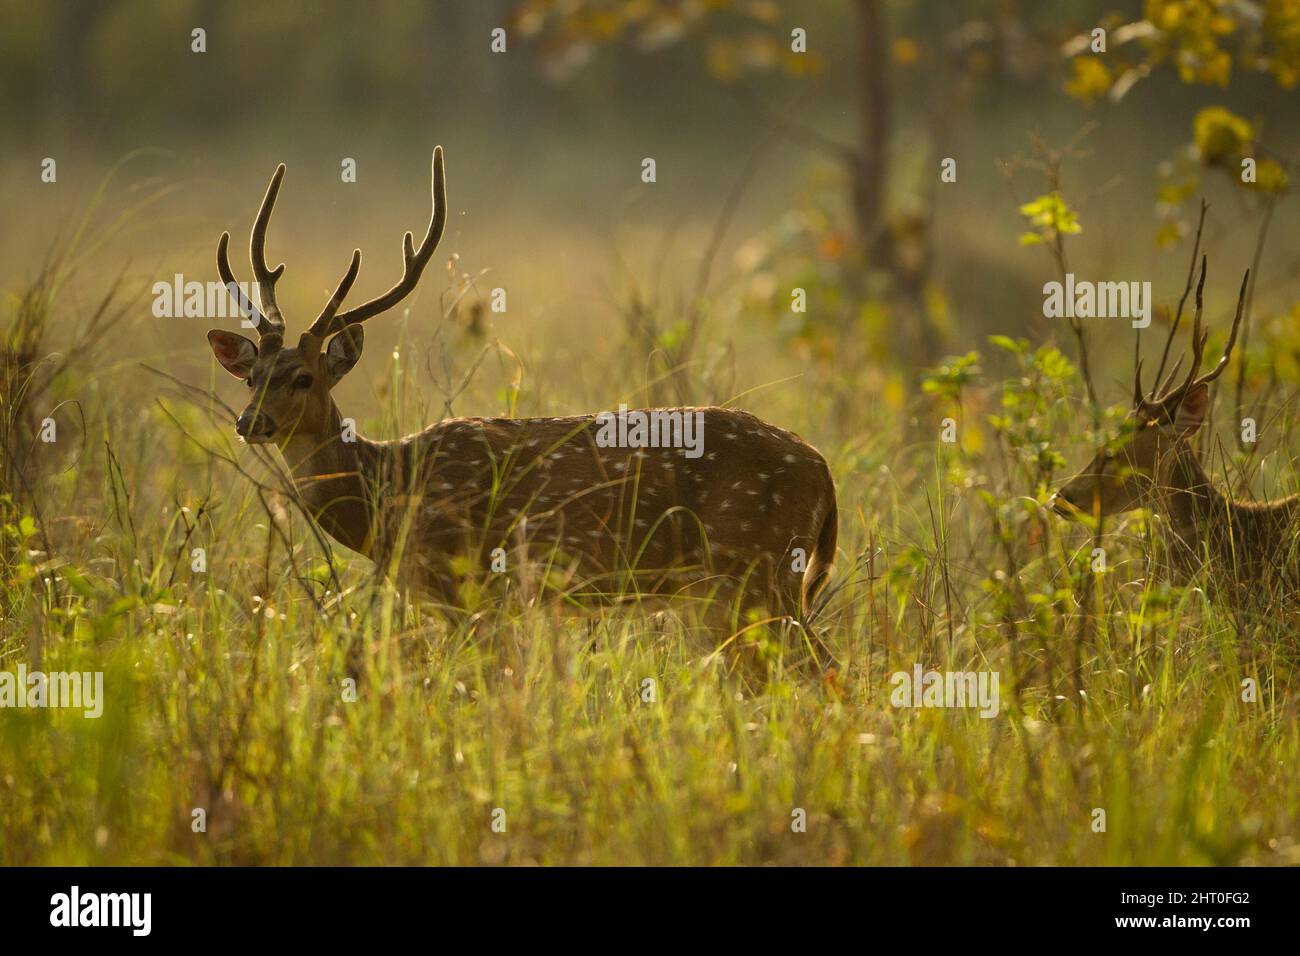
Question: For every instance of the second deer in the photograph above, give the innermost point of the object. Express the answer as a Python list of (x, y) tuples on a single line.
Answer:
[(748, 519), (1246, 548)]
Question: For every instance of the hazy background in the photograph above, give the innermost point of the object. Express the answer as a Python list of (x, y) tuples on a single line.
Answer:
[(543, 168)]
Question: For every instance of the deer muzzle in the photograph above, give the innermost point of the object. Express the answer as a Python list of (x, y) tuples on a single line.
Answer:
[(254, 426), (1063, 506)]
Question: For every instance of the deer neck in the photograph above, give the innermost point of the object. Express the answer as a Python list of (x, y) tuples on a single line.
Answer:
[(1195, 509), (334, 477), (1187, 494)]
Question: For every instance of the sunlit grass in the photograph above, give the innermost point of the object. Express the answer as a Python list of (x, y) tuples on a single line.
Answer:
[(228, 690)]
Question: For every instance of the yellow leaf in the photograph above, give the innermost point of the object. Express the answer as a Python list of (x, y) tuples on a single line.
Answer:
[(1168, 235), (1269, 178), (1221, 136), (1091, 78), (905, 51)]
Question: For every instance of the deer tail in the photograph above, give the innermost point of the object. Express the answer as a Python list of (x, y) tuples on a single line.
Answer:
[(821, 562)]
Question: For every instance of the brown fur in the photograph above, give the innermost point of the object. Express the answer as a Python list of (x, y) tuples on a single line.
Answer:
[(613, 521)]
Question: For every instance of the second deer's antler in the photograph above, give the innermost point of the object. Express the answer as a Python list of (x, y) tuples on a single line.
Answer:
[(1171, 397)]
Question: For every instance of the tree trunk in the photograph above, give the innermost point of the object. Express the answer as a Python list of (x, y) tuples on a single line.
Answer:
[(871, 171)]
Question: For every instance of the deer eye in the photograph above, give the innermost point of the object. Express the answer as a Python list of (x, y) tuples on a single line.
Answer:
[(302, 381)]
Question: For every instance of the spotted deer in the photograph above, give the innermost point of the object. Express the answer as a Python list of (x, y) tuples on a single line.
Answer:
[(1247, 548), (748, 517)]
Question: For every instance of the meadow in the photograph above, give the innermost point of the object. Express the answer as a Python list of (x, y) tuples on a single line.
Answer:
[(313, 716)]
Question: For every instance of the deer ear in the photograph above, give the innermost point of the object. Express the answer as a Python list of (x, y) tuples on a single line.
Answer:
[(343, 351), (1191, 410), (235, 353)]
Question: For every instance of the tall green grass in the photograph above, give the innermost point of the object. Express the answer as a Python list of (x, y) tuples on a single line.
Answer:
[(228, 691)]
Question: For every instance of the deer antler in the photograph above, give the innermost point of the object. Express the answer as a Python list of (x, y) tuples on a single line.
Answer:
[(267, 318), (267, 278), (332, 306), (1163, 394), (1182, 300), (413, 262)]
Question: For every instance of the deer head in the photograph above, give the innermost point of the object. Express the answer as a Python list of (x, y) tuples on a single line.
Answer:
[(291, 386), (1132, 470)]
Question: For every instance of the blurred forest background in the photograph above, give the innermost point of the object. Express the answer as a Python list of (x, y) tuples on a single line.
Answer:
[(817, 170)]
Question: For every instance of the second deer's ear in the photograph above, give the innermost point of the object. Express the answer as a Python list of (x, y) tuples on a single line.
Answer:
[(343, 351), (1191, 410), (235, 353)]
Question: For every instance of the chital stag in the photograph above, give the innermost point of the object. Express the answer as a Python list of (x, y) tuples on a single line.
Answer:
[(1248, 549), (752, 515)]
